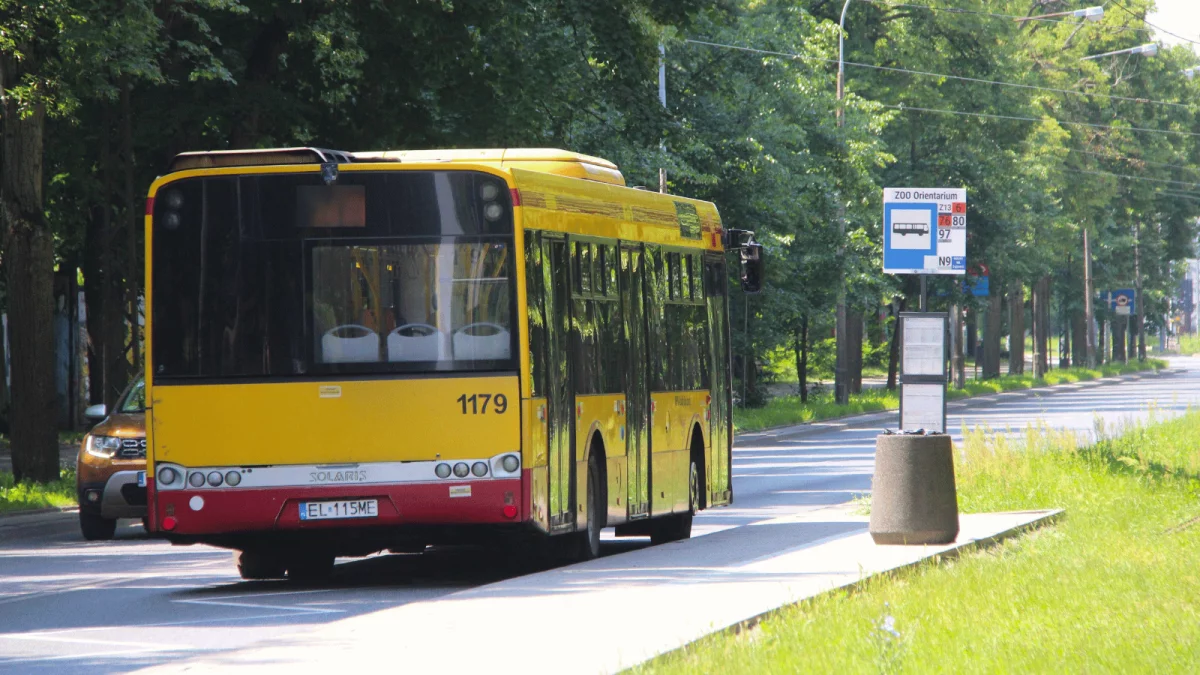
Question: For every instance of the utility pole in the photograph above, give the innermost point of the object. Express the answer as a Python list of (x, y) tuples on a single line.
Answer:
[(1137, 293), (1088, 309), (662, 98), (841, 390)]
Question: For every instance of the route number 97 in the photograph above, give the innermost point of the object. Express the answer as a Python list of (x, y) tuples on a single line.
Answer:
[(477, 404)]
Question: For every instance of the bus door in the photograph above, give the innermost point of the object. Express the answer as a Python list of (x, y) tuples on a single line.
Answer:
[(637, 391), (720, 487), (560, 400)]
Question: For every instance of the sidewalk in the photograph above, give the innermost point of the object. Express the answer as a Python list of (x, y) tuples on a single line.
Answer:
[(615, 612)]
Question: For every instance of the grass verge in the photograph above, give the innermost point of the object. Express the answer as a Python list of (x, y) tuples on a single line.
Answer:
[(26, 495), (785, 410), (1111, 588)]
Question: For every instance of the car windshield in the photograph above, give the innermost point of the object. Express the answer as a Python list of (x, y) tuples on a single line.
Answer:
[(134, 400)]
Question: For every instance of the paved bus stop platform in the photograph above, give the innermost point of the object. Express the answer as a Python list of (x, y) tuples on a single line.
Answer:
[(614, 612)]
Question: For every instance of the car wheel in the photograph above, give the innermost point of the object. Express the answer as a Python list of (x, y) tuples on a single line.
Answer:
[(96, 527), (253, 565)]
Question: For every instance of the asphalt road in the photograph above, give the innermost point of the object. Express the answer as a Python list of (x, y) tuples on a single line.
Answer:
[(67, 605)]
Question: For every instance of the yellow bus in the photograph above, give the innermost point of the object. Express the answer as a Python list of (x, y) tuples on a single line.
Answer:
[(356, 352)]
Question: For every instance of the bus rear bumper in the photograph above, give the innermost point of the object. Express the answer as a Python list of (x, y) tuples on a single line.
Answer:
[(217, 512)]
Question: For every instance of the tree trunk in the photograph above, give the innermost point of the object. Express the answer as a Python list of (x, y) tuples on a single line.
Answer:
[(4, 397), (972, 337), (1118, 338), (1065, 346), (29, 263), (991, 335), (1016, 329), (1041, 331), (1079, 341), (1102, 344), (133, 221), (854, 335), (802, 359), (1133, 332), (894, 348), (1138, 301), (93, 294)]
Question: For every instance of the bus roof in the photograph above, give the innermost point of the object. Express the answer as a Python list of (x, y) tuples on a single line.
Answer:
[(542, 160)]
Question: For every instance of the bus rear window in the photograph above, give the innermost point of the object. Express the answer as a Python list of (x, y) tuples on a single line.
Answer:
[(269, 276), (331, 206), (445, 305)]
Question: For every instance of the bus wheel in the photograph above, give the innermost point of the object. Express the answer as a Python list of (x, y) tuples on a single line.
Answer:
[(310, 567), (254, 565), (589, 540), (678, 526)]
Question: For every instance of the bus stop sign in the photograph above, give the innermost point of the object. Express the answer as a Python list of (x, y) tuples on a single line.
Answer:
[(925, 230)]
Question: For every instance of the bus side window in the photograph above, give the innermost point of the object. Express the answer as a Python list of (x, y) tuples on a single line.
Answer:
[(657, 295), (537, 313)]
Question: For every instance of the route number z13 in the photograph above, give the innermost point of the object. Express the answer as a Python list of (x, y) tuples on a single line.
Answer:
[(478, 403)]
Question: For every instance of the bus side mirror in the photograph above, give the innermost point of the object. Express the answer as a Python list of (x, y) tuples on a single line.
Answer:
[(752, 269)]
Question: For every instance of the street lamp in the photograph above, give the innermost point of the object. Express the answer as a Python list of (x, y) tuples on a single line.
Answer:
[(1087, 13), (1148, 49)]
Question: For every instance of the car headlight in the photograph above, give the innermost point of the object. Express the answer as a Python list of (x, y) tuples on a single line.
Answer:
[(103, 446)]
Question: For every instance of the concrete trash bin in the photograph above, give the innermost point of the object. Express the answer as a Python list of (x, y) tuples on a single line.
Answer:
[(913, 499)]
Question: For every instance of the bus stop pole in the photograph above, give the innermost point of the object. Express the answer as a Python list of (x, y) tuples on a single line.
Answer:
[(924, 290)]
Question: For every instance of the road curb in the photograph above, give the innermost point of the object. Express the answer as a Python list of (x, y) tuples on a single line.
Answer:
[(37, 516), (867, 419), (1051, 517)]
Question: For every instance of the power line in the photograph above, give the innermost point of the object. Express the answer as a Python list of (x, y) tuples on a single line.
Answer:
[(1143, 178), (1118, 156), (923, 73), (1108, 127), (1133, 160), (1011, 17), (1157, 28)]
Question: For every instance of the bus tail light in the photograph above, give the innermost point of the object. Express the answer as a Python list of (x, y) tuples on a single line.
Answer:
[(169, 523), (510, 511)]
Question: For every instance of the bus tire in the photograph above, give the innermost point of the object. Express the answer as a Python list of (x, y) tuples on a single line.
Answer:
[(589, 539), (255, 565), (678, 526), (95, 527), (309, 568)]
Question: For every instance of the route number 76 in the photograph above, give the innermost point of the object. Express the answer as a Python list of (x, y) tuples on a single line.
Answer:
[(479, 403)]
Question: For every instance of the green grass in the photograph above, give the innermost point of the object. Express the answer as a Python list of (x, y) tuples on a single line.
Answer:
[(1189, 344), (1052, 377), (786, 410), (1112, 588), (27, 495)]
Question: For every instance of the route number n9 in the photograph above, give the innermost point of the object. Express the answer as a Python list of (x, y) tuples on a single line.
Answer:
[(478, 403)]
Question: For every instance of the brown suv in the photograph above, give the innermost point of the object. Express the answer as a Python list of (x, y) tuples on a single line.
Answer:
[(111, 469)]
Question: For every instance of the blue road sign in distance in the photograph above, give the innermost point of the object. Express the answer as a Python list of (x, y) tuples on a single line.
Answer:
[(925, 230), (1120, 300)]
